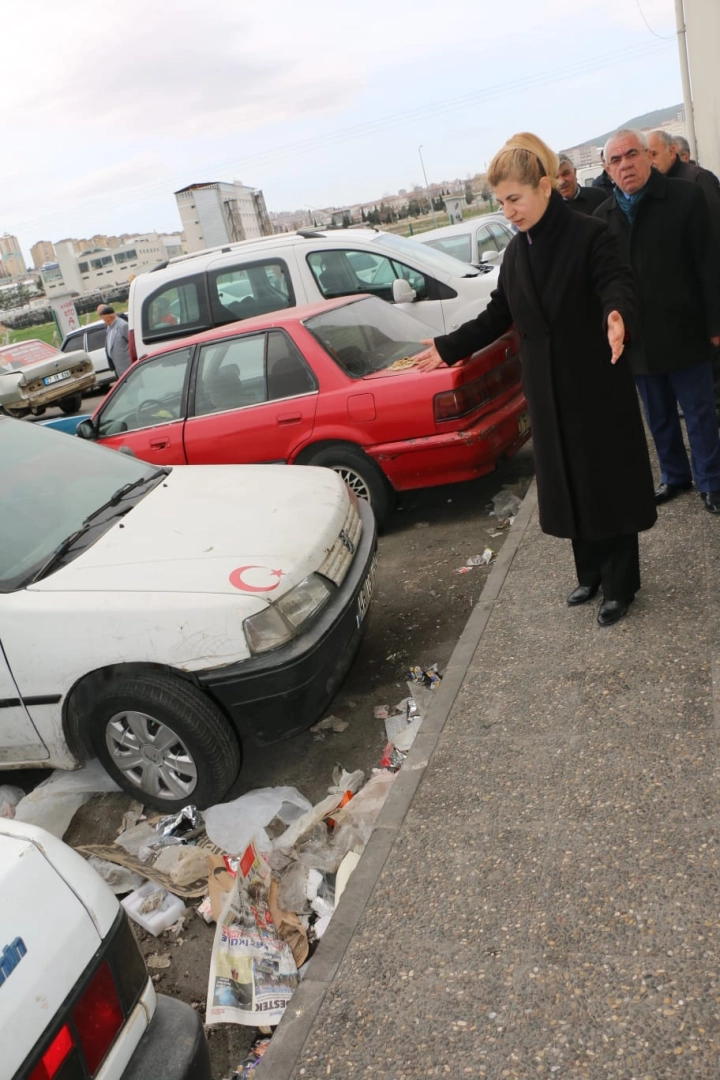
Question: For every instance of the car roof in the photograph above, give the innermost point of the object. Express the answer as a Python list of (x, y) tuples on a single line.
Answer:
[(271, 320), (461, 229)]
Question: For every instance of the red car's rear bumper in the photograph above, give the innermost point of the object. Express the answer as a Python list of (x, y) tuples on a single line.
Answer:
[(458, 454)]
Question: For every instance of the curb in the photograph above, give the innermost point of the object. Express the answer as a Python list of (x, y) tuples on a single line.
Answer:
[(283, 1054)]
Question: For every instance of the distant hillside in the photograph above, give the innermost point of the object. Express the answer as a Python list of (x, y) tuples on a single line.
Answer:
[(647, 120)]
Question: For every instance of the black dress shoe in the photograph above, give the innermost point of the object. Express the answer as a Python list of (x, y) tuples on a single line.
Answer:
[(711, 500), (612, 611), (666, 492), (582, 594)]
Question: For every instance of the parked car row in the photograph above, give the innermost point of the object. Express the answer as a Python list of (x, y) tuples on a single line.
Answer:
[(480, 241)]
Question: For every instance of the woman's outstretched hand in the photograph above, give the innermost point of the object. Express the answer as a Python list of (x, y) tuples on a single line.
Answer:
[(429, 359), (616, 335)]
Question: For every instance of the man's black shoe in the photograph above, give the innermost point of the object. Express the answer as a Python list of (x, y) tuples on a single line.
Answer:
[(612, 611), (666, 492), (582, 594), (711, 500)]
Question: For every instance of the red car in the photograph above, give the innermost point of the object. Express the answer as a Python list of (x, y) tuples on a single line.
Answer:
[(321, 385)]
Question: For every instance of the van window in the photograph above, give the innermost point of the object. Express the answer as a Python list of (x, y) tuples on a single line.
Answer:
[(96, 338), (342, 273), (176, 308), (151, 394), (239, 292)]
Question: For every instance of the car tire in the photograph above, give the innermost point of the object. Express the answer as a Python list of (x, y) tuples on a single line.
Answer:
[(70, 404), (360, 474), (185, 749)]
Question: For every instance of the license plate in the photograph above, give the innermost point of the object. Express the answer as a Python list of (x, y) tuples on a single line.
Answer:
[(365, 594), (57, 378), (523, 423)]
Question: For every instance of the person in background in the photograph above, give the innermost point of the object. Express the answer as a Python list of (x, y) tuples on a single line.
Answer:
[(664, 156), (602, 180), (683, 149), (116, 339), (570, 294), (581, 199), (665, 230)]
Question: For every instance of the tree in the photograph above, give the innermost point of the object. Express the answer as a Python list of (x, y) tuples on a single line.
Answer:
[(469, 195)]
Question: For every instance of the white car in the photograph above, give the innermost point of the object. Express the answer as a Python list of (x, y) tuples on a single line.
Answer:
[(34, 375), (254, 277), (480, 241), (159, 618), (76, 1001), (91, 339)]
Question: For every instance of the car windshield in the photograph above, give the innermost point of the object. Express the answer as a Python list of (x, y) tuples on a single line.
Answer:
[(458, 246), (368, 335), (49, 485), (442, 264)]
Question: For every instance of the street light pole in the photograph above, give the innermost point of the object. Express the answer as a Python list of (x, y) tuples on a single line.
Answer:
[(427, 186)]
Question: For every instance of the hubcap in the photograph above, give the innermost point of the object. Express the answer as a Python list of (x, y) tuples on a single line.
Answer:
[(354, 481), (150, 755)]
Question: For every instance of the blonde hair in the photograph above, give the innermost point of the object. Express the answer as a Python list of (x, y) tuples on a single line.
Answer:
[(526, 159)]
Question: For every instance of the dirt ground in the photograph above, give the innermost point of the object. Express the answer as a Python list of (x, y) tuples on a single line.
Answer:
[(418, 612)]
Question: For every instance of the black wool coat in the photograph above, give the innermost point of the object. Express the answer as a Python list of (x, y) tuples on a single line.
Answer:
[(591, 459), (587, 200), (676, 262), (707, 181)]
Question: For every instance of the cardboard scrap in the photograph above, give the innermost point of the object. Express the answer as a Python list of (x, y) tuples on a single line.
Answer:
[(289, 927), (116, 854)]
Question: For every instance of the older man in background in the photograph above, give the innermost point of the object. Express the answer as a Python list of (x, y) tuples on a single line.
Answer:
[(116, 339), (584, 200), (666, 159), (665, 230)]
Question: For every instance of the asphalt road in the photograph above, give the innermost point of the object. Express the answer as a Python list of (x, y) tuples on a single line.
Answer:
[(418, 611)]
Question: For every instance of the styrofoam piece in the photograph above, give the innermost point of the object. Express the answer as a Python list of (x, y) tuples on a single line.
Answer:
[(346, 868), (165, 914)]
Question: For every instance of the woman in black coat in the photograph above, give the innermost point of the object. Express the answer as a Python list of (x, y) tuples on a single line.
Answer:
[(565, 286)]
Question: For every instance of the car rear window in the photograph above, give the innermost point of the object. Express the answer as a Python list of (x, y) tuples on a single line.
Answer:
[(175, 309), (73, 344), (457, 246), (240, 292), (367, 335)]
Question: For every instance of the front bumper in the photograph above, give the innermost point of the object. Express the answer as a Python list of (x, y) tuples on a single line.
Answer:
[(276, 695), (173, 1047), (457, 454)]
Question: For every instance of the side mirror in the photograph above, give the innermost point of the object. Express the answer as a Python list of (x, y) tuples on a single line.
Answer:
[(492, 257), (86, 430), (402, 292)]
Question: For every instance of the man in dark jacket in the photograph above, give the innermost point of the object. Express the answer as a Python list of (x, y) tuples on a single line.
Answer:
[(666, 159), (581, 199), (665, 230), (603, 181)]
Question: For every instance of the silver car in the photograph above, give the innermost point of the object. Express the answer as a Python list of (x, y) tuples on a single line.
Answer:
[(479, 241)]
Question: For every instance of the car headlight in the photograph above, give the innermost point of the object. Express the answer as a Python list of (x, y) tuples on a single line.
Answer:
[(282, 621)]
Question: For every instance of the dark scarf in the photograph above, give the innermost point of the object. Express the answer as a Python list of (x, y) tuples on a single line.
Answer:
[(629, 203)]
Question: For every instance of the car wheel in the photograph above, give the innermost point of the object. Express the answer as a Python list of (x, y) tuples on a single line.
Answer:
[(164, 741), (70, 404), (359, 473)]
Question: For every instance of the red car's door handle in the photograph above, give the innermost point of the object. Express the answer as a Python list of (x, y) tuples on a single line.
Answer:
[(294, 418), (159, 444)]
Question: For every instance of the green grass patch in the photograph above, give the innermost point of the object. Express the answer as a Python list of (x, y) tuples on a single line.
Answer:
[(47, 332)]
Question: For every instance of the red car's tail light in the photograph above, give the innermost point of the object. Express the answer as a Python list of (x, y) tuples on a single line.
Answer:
[(131, 346), (98, 1017), (452, 404), (56, 1053)]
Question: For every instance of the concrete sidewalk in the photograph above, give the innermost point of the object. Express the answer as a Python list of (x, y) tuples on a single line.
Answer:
[(541, 896)]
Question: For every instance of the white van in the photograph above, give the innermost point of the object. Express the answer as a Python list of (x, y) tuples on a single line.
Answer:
[(210, 288), (76, 1001)]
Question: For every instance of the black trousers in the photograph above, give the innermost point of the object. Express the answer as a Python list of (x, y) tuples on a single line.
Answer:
[(613, 563)]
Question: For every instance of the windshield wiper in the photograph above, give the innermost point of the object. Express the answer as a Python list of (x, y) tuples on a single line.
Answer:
[(121, 492), (69, 542)]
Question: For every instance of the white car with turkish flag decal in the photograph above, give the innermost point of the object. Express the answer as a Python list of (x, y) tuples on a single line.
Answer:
[(160, 618)]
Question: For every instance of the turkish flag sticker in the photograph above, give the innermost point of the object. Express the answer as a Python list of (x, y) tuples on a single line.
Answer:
[(255, 579)]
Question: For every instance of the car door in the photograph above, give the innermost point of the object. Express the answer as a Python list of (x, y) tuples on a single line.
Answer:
[(146, 410), (253, 401), (19, 740)]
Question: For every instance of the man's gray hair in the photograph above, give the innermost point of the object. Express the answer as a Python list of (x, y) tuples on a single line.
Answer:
[(623, 134), (683, 146), (665, 137), (563, 159)]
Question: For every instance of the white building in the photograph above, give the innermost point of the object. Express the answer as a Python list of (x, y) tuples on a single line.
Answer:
[(219, 213), (99, 268)]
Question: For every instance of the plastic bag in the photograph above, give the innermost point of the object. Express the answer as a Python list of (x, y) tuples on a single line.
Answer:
[(119, 878), (356, 819), (136, 841), (505, 505), (9, 798), (233, 826), (183, 864), (53, 803), (299, 888)]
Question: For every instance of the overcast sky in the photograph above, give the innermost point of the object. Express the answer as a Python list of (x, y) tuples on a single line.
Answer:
[(108, 109)]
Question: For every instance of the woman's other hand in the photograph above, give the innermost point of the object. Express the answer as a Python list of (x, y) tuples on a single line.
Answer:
[(429, 359), (616, 335)]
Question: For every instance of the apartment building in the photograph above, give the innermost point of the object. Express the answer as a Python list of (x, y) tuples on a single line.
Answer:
[(43, 252), (11, 256), (102, 267), (219, 213)]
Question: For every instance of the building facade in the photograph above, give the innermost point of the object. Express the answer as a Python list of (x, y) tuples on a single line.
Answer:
[(42, 252), (11, 256), (96, 268), (220, 213)]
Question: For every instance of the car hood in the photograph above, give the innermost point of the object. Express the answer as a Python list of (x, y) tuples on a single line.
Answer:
[(241, 530)]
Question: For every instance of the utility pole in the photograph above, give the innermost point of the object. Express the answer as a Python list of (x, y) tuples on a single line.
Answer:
[(698, 22), (427, 186), (685, 77)]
